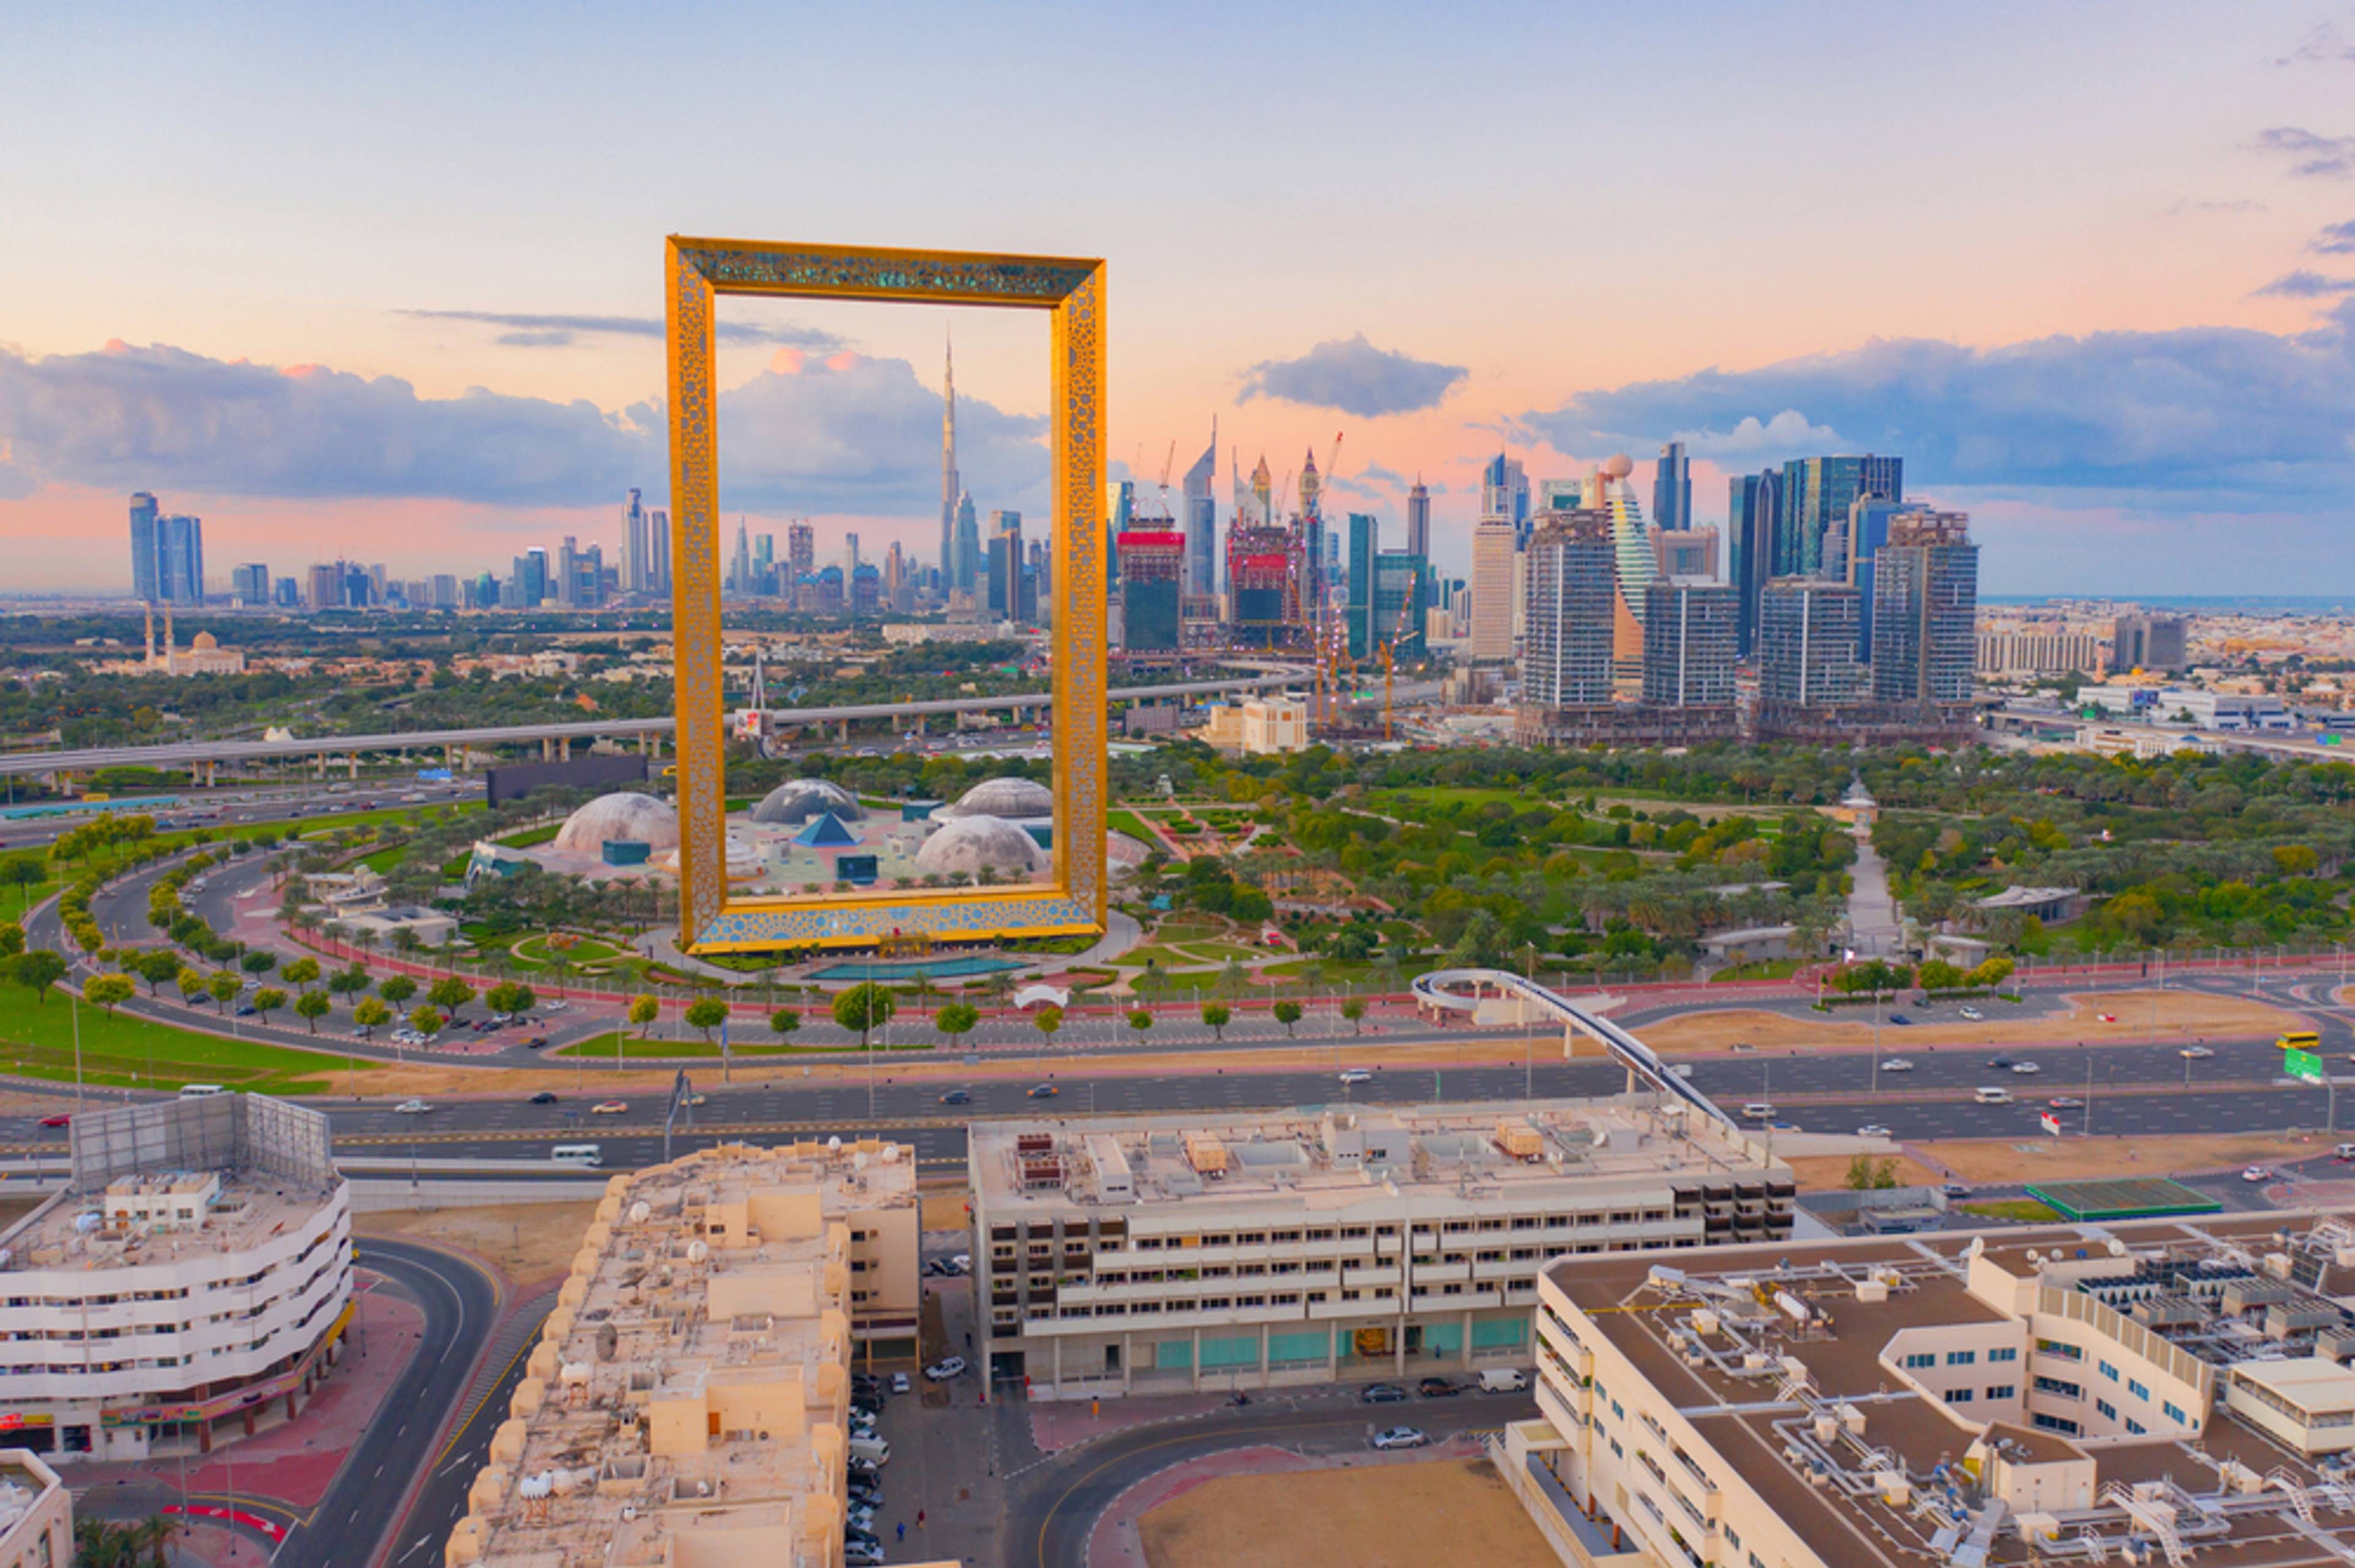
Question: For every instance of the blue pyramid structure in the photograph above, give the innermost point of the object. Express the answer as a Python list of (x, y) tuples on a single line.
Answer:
[(826, 831)]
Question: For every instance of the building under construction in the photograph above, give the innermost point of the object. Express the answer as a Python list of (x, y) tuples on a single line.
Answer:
[(1152, 568), (1265, 564)]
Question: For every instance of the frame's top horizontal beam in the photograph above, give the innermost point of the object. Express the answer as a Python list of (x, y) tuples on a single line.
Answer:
[(866, 271)]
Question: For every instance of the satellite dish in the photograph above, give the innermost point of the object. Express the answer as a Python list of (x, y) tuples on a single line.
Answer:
[(834, 1144)]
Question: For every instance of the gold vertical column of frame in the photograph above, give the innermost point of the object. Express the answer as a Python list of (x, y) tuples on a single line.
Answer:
[(696, 651), (1081, 583)]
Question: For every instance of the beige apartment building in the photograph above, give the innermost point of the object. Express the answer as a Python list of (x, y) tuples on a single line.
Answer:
[(1146, 1254), (35, 1513), (688, 1403), (2175, 1392)]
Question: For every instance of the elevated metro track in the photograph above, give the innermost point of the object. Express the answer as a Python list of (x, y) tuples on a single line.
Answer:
[(1445, 989), (192, 753)]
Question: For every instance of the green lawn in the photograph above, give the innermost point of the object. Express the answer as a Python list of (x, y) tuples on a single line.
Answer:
[(602, 1048), (385, 859), (122, 1051), (2026, 1210), (1127, 822), (1771, 970)]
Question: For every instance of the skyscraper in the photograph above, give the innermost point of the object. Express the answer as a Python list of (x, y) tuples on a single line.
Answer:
[(1672, 489), (1926, 624), (1868, 529), (1567, 659), (658, 551), (1418, 521), (849, 551), (251, 584), (2147, 642), (957, 568), (1505, 493), (1263, 489), (1365, 542), (1806, 644), (801, 551), (145, 554), (1753, 507), (1201, 519), (636, 563), (1150, 564), (740, 565), (180, 560), (1492, 590), (1689, 629), (1006, 565), (969, 545), (1816, 495)]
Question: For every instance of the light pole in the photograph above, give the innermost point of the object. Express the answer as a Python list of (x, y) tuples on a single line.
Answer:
[(1875, 1042)]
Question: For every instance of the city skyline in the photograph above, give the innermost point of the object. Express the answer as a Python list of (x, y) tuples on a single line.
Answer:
[(2111, 368)]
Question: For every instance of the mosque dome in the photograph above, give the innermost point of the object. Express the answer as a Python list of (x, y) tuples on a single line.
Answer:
[(203, 640), (796, 801), (1618, 465), (1004, 797), (619, 818), (970, 843)]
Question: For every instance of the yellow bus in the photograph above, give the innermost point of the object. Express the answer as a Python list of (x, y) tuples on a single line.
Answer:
[(2300, 1039)]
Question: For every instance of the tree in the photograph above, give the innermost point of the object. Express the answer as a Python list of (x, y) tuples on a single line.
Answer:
[(1937, 974), (397, 988), (192, 985), (1992, 973), (501, 998), (109, 991), (427, 1021), (345, 982), (1287, 1013), (864, 1007), (1216, 1016), (23, 872), (958, 1018), (1354, 1009), (1046, 1020), (12, 939), (223, 987), (448, 993), (266, 998), (784, 1022), (644, 1010), (38, 969), (157, 969), (525, 998), (302, 972), (258, 962), (313, 1006), (368, 1012), (1141, 1019), (707, 1013)]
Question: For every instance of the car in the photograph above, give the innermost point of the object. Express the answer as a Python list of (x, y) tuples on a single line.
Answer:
[(1437, 1388), (1897, 1065), (1681, 1070), (1759, 1110), (2200, 1053), (1901, 1020), (2256, 1173), (957, 1097), (933, 1268), (1045, 1092), (536, 1043), (2026, 1069), (609, 1107), (694, 1099), (1400, 1438), (899, 1383), (1742, 1048), (942, 1371), (545, 1097), (1356, 1075), (554, 1007), (1874, 1130), (858, 1467), (412, 1107), (1382, 1394), (1972, 1014), (2108, 1018), (247, 1011), (1955, 1189), (58, 1119), (2066, 1103), (1998, 1061), (861, 1554), (961, 1262), (859, 1515)]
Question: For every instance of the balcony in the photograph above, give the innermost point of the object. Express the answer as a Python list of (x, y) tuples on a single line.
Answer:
[(1362, 1278), (1442, 1273)]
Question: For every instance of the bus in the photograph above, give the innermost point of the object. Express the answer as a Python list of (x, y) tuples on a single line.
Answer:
[(584, 1155), (2300, 1039)]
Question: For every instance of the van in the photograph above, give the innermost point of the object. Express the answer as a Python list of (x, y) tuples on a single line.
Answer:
[(1985, 1096), (2343, 1152), (199, 1091), (875, 1450), (585, 1155), (1504, 1379), (1758, 1111)]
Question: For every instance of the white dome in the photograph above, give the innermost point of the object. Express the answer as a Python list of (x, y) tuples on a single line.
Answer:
[(796, 801), (742, 855), (624, 818), (970, 843), (1007, 797)]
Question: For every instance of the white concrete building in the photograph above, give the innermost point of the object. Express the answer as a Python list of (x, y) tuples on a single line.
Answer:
[(1121, 1255), (197, 1268), (35, 1513)]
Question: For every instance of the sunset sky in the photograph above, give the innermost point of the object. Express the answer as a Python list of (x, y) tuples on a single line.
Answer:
[(387, 284)]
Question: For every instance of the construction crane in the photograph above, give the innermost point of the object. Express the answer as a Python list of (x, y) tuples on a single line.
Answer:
[(1389, 660), (1166, 464)]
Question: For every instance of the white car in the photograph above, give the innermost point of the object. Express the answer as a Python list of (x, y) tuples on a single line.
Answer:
[(1681, 1070), (1357, 1075), (1400, 1438), (2195, 1054), (2026, 1069), (899, 1383), (1972, 1014), (1874, 1130), (2256, 1173), (412, 1107), (941, 1371), (555, 1006), (1897, 1065)]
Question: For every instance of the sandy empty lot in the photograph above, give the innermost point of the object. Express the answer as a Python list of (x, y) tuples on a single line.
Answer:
[(1381, 1516), (529, 1241), (2189, 1014)]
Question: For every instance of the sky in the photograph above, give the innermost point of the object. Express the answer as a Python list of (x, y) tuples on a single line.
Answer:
[(386, 284)]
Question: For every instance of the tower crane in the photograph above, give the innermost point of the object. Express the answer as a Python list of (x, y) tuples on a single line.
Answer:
[(1166, 464), (1390, 661)]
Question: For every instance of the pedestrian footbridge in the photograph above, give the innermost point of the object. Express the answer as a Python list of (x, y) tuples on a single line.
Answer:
[(1463, 990)]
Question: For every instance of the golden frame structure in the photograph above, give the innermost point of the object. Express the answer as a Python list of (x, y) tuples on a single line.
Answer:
[(696, 272)]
